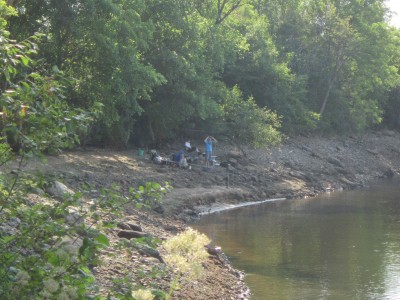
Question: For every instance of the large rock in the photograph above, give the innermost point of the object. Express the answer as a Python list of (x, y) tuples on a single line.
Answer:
[(10, 227), (59, 190), (335, 161), (348, 182), (74, 219)]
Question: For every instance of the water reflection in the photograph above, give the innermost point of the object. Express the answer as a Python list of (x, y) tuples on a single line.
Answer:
[(342, 245)]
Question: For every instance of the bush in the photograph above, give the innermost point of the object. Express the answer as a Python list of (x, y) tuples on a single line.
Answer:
[(249, 124), (185, 255)]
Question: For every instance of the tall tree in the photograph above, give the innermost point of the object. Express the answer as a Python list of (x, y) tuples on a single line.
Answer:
[(342, 49), (189, 50), (262, 73), (100, 44)]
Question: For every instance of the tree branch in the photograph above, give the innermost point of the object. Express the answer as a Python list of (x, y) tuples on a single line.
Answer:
[(221, 15)]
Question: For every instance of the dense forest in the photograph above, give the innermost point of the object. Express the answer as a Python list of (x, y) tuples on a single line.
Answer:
[(146, 71)]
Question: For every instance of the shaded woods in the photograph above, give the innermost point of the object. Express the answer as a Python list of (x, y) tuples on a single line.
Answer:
[(161, 68)]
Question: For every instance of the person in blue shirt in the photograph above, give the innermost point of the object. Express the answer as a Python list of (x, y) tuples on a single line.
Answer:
[(177, 158), (208, 142)]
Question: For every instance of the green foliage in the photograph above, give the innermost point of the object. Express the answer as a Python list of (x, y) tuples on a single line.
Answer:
[(48, 248), (261, 73), (187, 51), (143, 295), (160, 67), (37, 257), (344, 51), (100, 44), (186, 252), (5, 12), (248, 123), (35, 114), (150, 194)]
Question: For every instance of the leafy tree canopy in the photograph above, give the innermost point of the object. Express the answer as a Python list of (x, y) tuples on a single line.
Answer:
[(159, 67)]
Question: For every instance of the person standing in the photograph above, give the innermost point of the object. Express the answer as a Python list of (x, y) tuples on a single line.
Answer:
[(208, 142)]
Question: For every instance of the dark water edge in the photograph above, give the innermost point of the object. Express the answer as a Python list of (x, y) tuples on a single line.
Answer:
[(342, 245)]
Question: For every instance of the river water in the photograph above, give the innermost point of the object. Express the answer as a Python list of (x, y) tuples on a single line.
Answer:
[(342, 245)]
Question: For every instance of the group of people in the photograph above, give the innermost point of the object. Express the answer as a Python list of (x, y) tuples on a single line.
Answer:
[(182, 160)]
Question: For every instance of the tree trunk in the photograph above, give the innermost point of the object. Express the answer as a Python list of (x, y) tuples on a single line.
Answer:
[(150, 131), (326, 98)]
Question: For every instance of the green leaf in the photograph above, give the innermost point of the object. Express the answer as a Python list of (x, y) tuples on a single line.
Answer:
[(103, 239), (53, 258), (156, 185), (25, 60), (85, 247)]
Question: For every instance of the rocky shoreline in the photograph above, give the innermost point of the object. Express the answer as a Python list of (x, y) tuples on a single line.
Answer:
[(302, 166)]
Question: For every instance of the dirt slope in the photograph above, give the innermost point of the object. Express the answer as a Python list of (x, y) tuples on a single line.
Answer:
[(301, 167)]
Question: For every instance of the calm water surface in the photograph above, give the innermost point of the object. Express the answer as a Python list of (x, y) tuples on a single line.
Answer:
[(343, 245)]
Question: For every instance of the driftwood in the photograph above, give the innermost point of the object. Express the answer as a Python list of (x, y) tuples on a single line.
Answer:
[(147, 251), (130, 234), (130, 226)]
